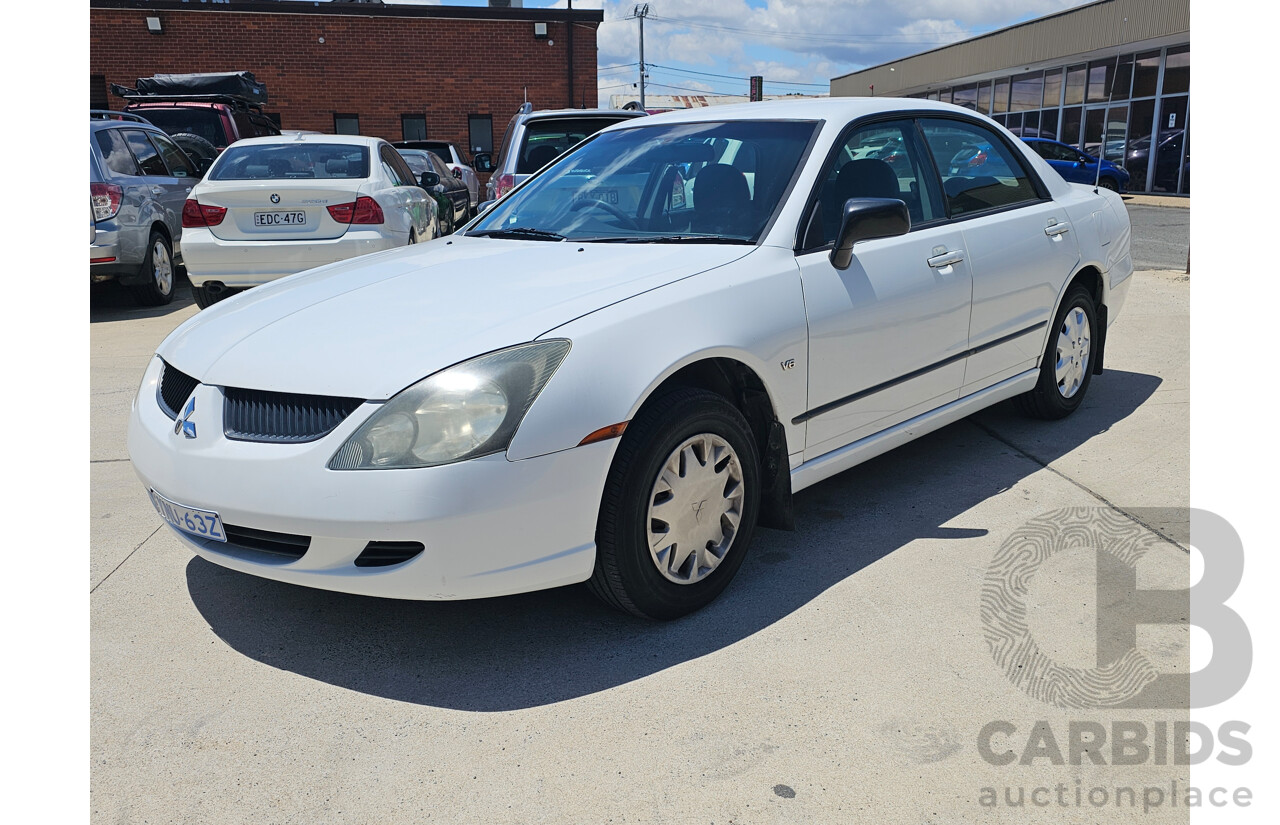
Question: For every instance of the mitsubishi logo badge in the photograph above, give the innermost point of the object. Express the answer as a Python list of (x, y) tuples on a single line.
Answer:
[(275, 198), (184, 424)]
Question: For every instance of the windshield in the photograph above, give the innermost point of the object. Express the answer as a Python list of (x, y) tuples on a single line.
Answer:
[(207, 123), (285, 161), (687, 181)]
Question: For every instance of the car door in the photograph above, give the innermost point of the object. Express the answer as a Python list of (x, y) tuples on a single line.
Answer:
[(454, 189), (1071, 164), (159, 186), (1020, 245), (182, 176), (888, 335), (404, 192)]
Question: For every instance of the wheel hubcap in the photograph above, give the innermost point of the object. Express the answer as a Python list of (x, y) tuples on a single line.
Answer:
[(694, 509), (1073, 352), (162, 268)]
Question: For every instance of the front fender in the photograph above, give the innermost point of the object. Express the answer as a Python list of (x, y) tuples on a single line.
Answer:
[(751, 311)]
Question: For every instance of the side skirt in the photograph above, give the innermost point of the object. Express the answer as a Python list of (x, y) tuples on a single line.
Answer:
[(864, 449)]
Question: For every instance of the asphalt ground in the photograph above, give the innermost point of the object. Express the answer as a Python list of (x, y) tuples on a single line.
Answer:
[(845, 676)]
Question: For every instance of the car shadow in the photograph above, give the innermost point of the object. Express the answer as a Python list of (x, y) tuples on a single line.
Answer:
[(109, 301), (539, 648)]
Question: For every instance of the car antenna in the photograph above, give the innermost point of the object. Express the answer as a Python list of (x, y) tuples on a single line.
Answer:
[(1102, 148)]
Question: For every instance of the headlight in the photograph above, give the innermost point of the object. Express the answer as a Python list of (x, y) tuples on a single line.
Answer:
[(465, 411)]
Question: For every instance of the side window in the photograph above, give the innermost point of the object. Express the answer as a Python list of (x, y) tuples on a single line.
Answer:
[(1052, 151), (877, 161), (979, 171), (147, 156), (395, 167), (437, 165), (179, 164), (115, 152)]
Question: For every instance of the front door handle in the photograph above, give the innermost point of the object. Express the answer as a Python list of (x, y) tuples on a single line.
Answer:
[(157, 190), (1055, 229), (954, 256)]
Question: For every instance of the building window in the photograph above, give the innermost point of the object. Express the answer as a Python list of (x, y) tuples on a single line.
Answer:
[(1027, 91), (98, 92), (1001, 103), (346, 124), (480, 133), (1075, 86), (1053, 88), (413, 127), (984, 97), (1146, 73), (1177, 71)]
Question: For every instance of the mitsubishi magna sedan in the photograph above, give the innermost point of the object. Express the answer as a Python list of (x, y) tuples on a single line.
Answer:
[(273, 206), (638, 356)]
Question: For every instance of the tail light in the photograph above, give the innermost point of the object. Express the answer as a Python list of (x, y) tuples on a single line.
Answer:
[(106, 199), (363, 210), (504, 185), (978, 159), (195, 213), (457, 173)]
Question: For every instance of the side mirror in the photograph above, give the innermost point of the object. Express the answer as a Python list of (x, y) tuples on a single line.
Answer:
[(483, 207), (482, 161), (429, 179), (865, 219)]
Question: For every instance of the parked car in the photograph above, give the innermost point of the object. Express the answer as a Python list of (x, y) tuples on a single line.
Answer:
[(203, 113), (454, 160), (273, 206), (1080, 167), (1168, 154), (453, 201), (138, 182), (534, 139), (571, 390)]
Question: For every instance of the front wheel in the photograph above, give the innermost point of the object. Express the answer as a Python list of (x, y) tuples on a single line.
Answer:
[(679, 507), (1067, 365)]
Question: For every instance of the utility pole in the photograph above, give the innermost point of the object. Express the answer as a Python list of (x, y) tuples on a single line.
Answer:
[(642, 11)]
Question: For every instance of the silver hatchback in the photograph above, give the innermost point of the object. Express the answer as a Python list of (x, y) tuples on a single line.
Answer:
[(138, 182)]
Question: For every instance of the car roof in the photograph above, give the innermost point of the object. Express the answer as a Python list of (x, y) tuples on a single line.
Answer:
[(841, 109), (549, 113), (316, 137)]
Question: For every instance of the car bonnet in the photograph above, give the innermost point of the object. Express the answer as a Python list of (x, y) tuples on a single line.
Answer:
[(369, 327)]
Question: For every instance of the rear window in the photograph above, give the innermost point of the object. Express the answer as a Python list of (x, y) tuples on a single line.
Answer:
[(207, 123), (115, 153), (287, 161), (545, 139), (439, 147)]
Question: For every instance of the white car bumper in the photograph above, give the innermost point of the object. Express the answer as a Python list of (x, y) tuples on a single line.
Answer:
[(239, 263), (489, 526)]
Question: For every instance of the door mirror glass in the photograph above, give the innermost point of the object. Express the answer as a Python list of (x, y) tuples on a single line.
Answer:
[(429, 179), (865, 219), (482, 161)]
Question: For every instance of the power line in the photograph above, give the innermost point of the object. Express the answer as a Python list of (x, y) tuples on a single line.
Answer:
[(739, 77)]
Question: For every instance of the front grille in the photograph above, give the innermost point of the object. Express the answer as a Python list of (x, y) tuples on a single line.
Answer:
[(175, 388), (387, 553), (264, 541), (255, 415)]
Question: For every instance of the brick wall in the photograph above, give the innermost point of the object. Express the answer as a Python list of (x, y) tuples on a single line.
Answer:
[(376, 67)]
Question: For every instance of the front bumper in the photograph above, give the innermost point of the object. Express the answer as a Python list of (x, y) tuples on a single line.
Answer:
[(490, 526), (241, 263)]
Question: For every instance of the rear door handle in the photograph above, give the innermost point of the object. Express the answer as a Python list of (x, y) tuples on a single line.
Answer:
[(946, 259), (1055, 229)]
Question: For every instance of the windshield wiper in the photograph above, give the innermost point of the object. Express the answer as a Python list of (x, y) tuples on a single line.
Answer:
[(666, 239), (518, 232)]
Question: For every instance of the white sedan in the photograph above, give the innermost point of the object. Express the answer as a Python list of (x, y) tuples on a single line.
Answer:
[(618, 390), (273, 206)]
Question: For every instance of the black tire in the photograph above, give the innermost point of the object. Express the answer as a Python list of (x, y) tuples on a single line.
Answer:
[(1048, 401), (1109, 184), (206, 297), (626, 575), (201, 151), (160, 272)]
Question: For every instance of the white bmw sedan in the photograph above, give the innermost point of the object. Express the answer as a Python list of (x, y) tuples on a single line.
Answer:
[(639, 355), (273, 206)]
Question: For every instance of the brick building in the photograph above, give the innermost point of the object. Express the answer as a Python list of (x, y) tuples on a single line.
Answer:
[(442, 72)]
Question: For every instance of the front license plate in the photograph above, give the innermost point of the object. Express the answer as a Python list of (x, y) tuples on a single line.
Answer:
[(279, 218), (202, 524)]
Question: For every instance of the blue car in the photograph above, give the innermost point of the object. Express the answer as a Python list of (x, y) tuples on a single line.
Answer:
[(1078, 167)]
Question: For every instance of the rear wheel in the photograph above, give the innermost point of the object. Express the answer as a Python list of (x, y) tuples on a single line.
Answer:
[(160, 272), (679, 507), (1109, 184), (1067, 365)]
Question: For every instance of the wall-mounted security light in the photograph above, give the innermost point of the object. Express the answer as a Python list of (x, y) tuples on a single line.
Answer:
[(153, 25), (540, 30)]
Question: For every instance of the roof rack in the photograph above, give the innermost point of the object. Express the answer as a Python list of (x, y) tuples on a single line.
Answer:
[(111, 114)]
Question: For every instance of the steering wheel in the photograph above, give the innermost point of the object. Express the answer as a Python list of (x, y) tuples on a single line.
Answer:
[(627, 221)]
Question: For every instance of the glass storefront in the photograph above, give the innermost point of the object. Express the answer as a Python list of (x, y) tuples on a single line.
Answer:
[(1111, 107)]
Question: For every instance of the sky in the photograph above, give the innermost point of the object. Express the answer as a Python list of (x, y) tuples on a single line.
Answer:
[(797, 46)]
